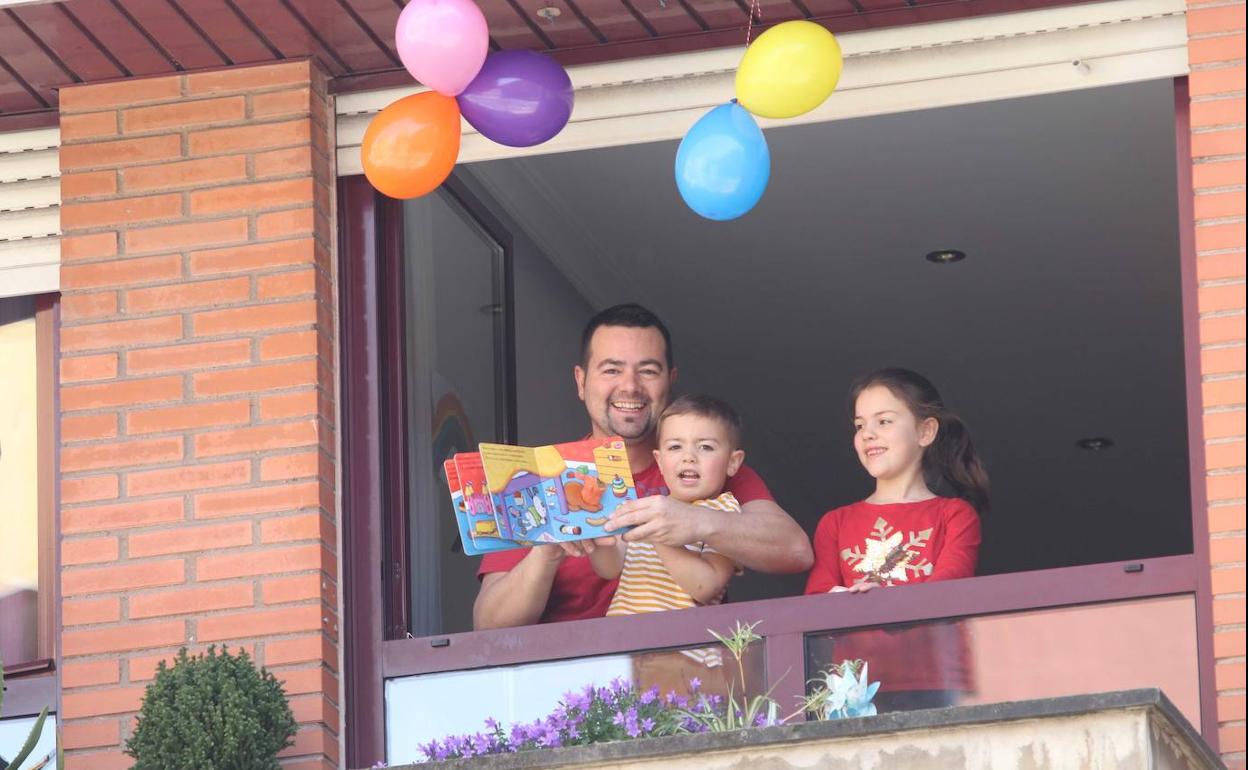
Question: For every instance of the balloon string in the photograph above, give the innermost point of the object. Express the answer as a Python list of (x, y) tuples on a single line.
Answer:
[(754, 9)]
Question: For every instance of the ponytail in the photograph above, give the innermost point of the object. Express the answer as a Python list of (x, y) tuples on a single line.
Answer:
[(951, 462)]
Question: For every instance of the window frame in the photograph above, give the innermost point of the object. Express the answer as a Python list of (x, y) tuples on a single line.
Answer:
[(786, 621)]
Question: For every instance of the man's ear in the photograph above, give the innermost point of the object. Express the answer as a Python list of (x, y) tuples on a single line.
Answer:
[(672, 378), (928, 430), (578, 374), (735, 461)]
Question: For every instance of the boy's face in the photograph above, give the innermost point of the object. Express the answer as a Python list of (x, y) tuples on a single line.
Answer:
[(696, 456)]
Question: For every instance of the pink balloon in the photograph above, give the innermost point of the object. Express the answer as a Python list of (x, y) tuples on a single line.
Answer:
[(442, 43)]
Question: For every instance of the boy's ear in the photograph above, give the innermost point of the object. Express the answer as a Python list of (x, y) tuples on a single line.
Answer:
[(735, 460), (578, 374), (928, 430)]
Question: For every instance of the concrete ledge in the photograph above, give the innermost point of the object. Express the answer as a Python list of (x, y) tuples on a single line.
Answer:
[(1129, 729)]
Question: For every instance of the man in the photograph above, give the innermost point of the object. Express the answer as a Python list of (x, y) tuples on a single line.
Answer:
[(625, 379)]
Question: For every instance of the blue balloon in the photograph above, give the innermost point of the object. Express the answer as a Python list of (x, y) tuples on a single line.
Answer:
[(722, 165)]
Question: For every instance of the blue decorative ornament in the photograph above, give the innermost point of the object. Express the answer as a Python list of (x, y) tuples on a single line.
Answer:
[(722, 164)]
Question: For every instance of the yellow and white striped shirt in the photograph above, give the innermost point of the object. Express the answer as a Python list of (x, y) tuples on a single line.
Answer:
[(646, 585)]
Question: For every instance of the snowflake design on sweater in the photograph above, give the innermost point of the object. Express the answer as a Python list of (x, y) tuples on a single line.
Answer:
[(889, 555)]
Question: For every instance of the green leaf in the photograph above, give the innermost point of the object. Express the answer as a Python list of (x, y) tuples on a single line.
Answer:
[(31, 740)]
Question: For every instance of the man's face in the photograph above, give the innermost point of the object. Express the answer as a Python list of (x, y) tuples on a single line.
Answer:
[(626, 382)]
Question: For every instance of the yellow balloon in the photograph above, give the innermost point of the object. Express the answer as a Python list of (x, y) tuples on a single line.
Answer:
[(790, 69)]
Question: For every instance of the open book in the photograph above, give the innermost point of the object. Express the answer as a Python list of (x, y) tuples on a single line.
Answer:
[(511, 496)]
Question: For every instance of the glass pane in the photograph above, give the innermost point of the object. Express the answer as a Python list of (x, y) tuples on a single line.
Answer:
[(1025, 655), (13, 734), (456, 340), (432, 706), (19, 475)]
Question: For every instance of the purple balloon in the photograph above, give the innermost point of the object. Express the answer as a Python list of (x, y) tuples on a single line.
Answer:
[(519, 98)]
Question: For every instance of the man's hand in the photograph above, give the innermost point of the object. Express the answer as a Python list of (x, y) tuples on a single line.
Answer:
[(862, 586), (585, 547), (661, 520)]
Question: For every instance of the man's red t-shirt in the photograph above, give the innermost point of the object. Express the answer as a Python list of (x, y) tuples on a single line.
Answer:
[(940, 538), (578, 592)]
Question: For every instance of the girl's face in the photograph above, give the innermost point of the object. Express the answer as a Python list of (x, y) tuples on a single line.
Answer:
[(889, 438)]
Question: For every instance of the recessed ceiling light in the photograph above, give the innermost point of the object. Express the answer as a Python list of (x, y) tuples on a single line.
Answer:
[(549, 12), (945, 256), (1095, 444)]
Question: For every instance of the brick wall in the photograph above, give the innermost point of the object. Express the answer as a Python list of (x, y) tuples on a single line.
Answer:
[(1216, 54), (197, 386)]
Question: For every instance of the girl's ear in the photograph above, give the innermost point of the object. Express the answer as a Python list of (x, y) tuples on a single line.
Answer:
[(656, 455), (735, 460), (928, 430)]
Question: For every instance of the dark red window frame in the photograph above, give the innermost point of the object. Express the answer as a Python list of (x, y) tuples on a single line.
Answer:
[(374, 483)]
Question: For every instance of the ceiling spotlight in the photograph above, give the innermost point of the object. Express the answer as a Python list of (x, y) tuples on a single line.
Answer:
[(945, 256), (549, 13), (1095, 444)]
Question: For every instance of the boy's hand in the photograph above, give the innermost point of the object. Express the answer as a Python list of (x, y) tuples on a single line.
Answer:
[(586, 547), (661, 520), (862, 586)]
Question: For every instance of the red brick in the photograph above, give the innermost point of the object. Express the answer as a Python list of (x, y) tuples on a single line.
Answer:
[(1222, 329), (1225, 424), (89, 184), (1215, 143), (306, 680), (101, 518), (314, 708), (1218, 267), (249, 138), (122, 152), (188, 539), (1226, 550), (1231, 740), (282, 103), (255, 318), (88, 427), (1223, 392), (1215, 205), (192, 601), (121, 272), (1227, 611), (121, 454), (121, 211), (90, 611), (1224, 236), (256, 439), (312, 739), (253, 379), (114, 700), (1228, 580), (98, 760), (305, 526), (121, 393), (271, 561), (1228, 644), (255, 257), (292, 466), (116, 333), (1225, 455), (131, 91), (294, 160), (270, 499), (1224, 487), (1215, 49), (88, 125), (89, 246), (85, 735), (88, 673), (1229, 676), (1204, 21), (184, 114), (185, 174), (88, 368), (124, 577), (259, 623), (288, 284), (202, 415), (1226, 518), (89, 488), (251, 197), (248, 79), (78, 307), (186, 236), (296, 588), (188, 477), (200, 355), (188, 295), (1226, 173), (289, 405), (91, 550), (281, 224), (1216, 298), (302, 649)]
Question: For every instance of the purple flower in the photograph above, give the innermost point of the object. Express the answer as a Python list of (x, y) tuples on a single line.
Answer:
[(491, 723), (647, 724), (619, 718), (650, 696), (695, 684)]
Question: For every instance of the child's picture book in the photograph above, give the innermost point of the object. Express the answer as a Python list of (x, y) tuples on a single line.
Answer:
[(511, 496)]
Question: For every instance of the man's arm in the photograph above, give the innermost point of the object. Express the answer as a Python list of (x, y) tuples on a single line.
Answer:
[(517, 597), (762, 537)]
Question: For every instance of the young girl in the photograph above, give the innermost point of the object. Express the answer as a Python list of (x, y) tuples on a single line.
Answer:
[(905, 533)]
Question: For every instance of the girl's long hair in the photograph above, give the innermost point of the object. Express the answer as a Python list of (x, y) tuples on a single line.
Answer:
[(950, 462)]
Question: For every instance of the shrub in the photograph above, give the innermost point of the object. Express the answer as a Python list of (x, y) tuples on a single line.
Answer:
[(212, 712)]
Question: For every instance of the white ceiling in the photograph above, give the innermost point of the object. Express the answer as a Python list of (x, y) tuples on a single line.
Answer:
[(1062, 323)]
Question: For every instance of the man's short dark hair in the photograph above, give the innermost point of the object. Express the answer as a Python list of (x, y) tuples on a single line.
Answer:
[(706, 406), (631, 315)]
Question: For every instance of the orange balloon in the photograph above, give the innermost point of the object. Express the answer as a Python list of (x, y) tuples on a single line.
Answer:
[(410, 147)]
